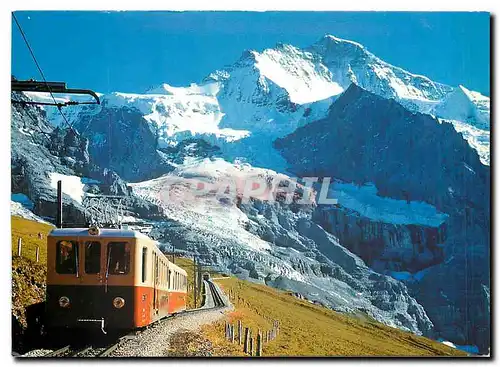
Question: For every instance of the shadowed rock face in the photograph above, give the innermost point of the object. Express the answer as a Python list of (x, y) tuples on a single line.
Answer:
[(408, 156), (385, 246), (121, 140)]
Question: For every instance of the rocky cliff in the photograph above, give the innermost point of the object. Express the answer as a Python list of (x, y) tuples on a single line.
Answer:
[(413, 158)]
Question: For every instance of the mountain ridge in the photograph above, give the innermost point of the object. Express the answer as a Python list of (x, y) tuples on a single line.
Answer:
[(270, 93)]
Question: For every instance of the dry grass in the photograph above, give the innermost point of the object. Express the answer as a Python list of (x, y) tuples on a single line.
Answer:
[(28, 277), (311, 330), (28, 231), (28, 286)]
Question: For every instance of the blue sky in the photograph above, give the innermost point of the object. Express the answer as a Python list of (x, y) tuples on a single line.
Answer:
[(132, 51)]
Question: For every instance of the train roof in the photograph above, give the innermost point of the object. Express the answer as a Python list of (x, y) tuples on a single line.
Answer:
[(103, 232), (175, 266)]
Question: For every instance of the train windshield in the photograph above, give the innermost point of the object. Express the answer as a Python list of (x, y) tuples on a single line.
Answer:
[(92, 257), (67, 257), (118, 258)]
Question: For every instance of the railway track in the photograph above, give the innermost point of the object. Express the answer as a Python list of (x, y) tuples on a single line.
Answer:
[(94, 351), (218, 301), (59, 352)]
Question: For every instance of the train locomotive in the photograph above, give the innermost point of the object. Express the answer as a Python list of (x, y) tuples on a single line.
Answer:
[(109, 279)]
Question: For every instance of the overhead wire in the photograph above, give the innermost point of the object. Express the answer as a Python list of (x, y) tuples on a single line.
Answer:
[(41, 72)]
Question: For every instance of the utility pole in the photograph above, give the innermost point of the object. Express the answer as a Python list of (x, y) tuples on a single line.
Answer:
[(194, 278), (59, 217), (199, 278)]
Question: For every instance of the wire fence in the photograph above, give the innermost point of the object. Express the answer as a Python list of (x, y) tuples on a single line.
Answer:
[(252, 341)]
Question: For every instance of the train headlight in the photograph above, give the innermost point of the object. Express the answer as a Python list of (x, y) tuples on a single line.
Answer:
[(64, 302), (94, 231), (118, 302)]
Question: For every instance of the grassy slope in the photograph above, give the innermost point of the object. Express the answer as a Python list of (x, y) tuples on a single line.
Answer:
[(28, 231), (310, 330), (28, 277)]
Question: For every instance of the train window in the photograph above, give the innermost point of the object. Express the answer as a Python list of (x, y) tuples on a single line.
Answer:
[(144, 263), (118, 258), (67, 257), (92, 257), (169, 278)]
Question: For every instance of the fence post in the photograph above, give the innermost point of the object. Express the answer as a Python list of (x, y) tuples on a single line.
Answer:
[(232, 333), (259, 344), (37, 253), (247, 337), (226, 330), (251, 346), (239, 332), (19, 246)]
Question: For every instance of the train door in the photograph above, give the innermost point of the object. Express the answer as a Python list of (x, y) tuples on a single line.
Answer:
[(91, 255), (155, 284), (157, 291)]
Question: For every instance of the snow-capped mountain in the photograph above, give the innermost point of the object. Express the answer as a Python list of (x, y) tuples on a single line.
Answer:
[(350, 62), (268, 94), (410, 157)]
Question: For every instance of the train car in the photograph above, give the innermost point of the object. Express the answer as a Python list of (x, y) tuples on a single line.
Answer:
[(112, 279)]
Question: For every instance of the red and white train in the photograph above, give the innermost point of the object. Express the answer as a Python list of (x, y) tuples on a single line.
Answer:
[(113, 279)]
